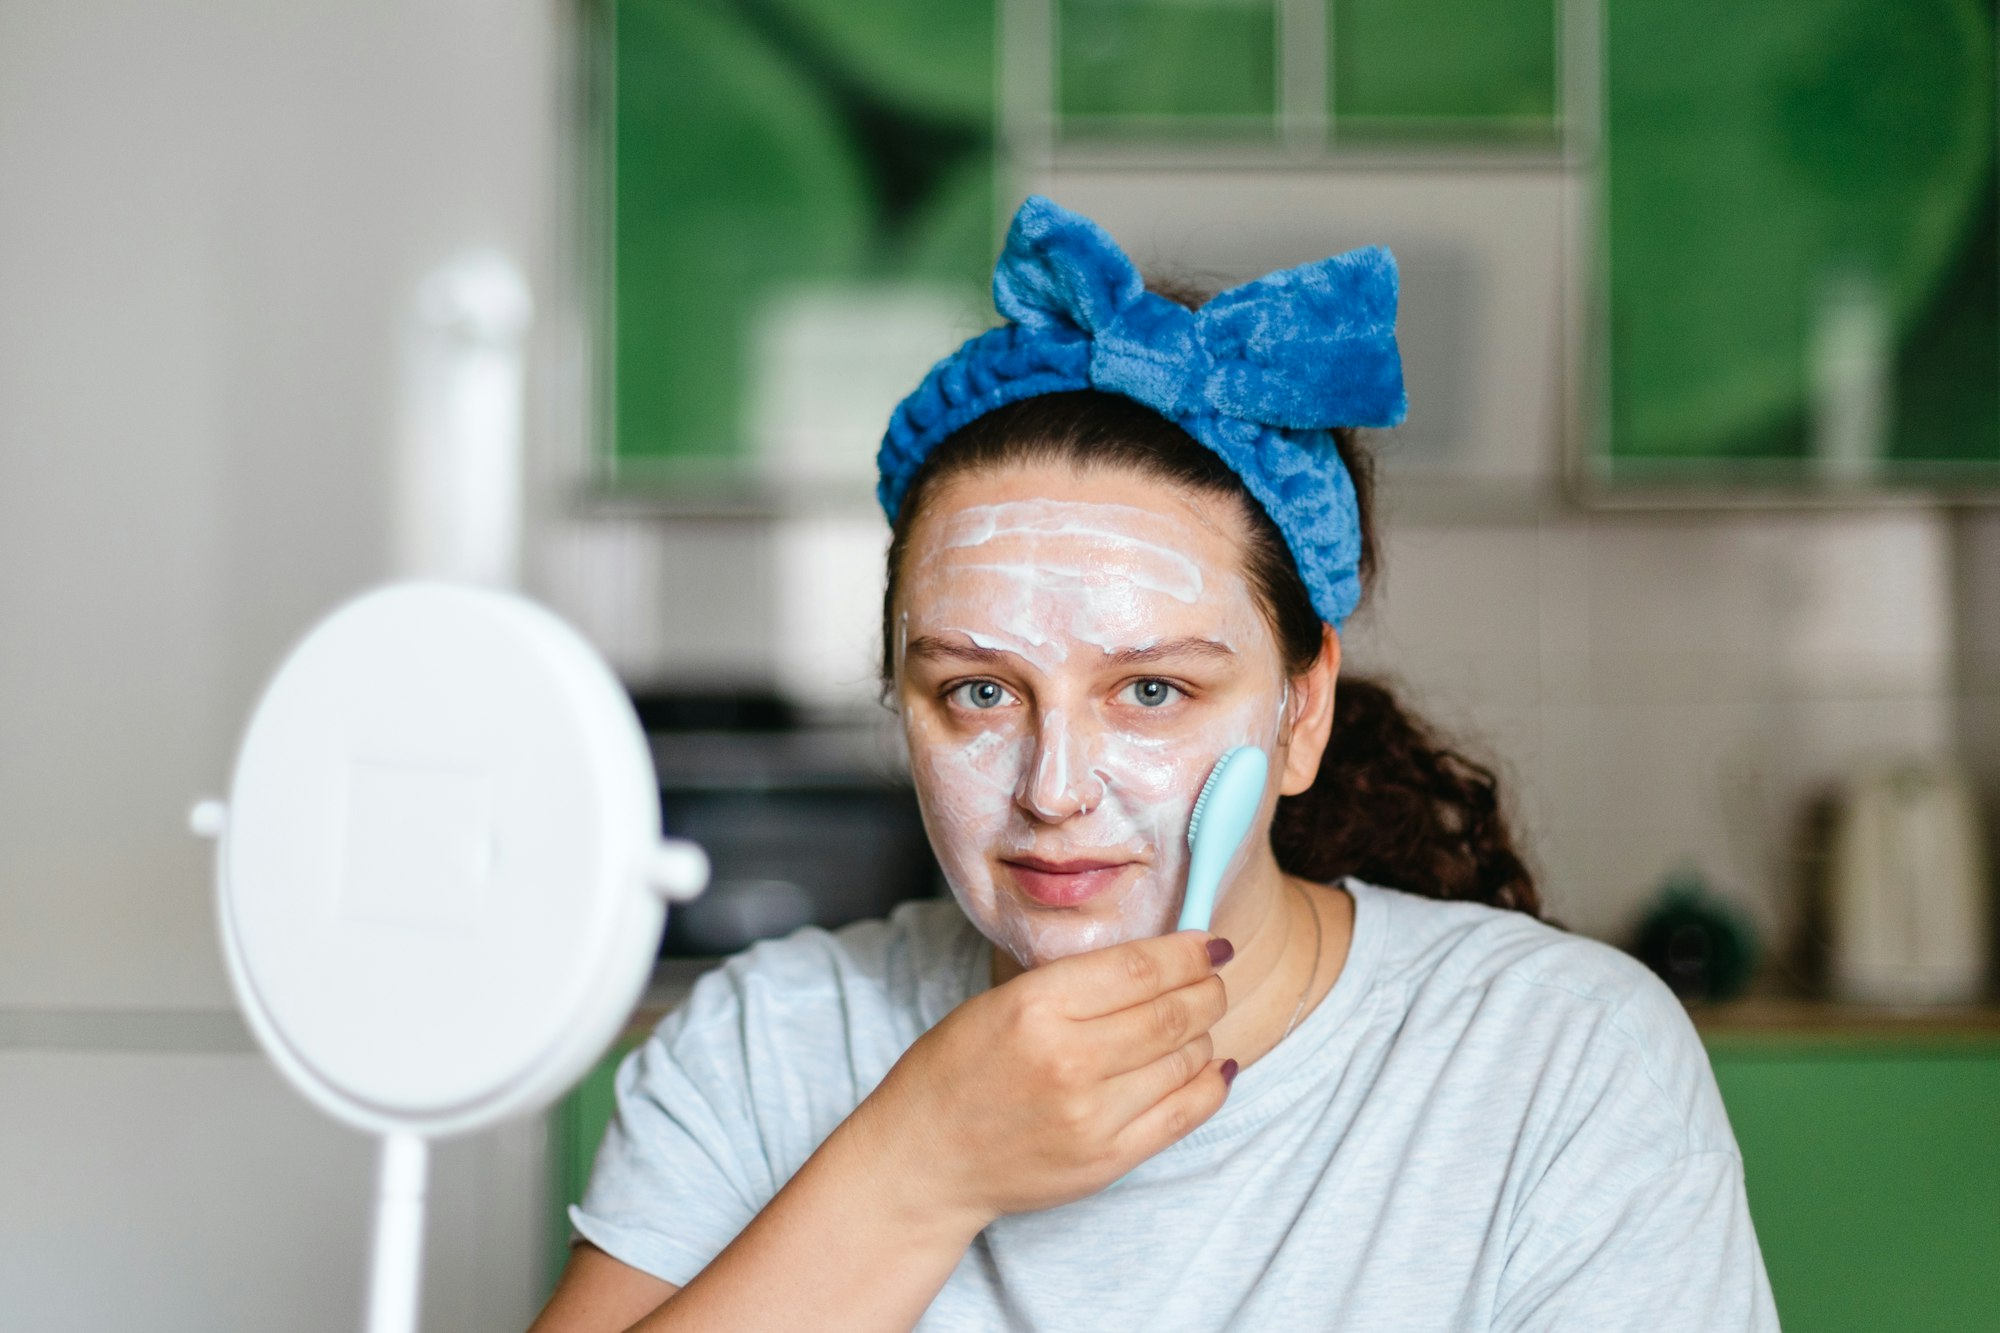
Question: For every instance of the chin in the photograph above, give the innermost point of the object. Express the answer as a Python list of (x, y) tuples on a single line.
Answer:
[(1038, 937)]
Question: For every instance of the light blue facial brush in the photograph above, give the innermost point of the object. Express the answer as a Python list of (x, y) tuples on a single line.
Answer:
[(1222, 815)]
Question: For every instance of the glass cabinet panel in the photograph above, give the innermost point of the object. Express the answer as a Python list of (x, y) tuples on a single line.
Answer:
[(1799, 244), (1466, 70), (1167, 68)]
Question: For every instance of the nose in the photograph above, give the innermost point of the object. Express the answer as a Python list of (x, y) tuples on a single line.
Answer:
[(1059, 781)]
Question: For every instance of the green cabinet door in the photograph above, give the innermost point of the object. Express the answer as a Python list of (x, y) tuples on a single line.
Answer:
[(576, 1127), (1873, 1169)]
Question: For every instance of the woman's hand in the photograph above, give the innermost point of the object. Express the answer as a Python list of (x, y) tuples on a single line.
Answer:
[(1042, 1090), (1052, 1085)]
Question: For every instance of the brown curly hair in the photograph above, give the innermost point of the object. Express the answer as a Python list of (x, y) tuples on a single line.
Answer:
[(1392, 803)]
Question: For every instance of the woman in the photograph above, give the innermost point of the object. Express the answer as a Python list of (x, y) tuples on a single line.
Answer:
[(1125, 535)]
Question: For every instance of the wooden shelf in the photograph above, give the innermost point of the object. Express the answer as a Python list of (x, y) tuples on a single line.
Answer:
[(1787, 1016)]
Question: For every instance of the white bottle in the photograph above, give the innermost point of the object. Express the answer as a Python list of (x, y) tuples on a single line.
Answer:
[(1909, 898)]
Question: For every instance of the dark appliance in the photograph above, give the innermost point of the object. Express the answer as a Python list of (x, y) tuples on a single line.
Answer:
[(804, 825)]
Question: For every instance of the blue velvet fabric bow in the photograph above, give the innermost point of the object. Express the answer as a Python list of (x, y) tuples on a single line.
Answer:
[(1260, 374)]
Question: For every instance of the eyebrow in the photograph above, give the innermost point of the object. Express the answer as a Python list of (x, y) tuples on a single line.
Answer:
[(1182, 647), (930, 646)]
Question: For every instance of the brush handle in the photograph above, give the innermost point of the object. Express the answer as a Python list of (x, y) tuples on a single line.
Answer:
[(1197, 908), (1227, 808), (1205, 866)]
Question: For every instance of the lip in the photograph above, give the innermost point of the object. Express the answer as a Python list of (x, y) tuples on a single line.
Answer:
[(1063, 883)]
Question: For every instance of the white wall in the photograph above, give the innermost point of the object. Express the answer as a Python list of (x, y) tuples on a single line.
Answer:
[(212, 217), (1977, 569), (1656, 690), (1659, 690), (192, 1191)]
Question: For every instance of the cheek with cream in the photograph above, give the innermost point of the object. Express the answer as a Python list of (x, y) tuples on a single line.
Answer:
[(1072, 769)]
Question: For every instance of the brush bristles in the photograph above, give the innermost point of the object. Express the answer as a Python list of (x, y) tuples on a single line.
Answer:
[(1200, 800)]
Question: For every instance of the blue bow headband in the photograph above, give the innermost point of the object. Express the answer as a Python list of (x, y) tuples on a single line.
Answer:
[(1260, 374)]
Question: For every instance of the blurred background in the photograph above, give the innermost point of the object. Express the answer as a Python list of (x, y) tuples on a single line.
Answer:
[(1690, 535)]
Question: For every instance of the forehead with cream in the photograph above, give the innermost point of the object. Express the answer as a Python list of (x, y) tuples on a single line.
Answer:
[(1064, 599), (1042, 577)]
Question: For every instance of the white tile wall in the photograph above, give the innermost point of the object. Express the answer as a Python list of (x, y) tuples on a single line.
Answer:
[(1660, 690), (666, 601), (827, 608), (1657, 690), (1976, 569)]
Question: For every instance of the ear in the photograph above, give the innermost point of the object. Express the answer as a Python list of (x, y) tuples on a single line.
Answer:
[(1309, 716)]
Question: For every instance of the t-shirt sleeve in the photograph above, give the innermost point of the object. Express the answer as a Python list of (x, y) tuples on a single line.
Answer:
[(681, 1171), (1676, 1252), (1638, 1217)]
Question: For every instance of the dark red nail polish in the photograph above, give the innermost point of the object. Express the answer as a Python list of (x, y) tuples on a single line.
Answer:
[(1220, 951), (1228, 1072)]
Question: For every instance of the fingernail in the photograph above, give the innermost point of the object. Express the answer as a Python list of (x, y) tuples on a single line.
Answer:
[(1220, 951), (1228, 1072)]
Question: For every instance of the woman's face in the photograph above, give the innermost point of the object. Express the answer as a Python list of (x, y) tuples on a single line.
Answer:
[(1073, 652)]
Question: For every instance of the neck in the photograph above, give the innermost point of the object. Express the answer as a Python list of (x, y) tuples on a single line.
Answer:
[(1268, 916)]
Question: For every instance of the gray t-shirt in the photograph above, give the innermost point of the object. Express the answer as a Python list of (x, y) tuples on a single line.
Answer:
[(1486, 1124)]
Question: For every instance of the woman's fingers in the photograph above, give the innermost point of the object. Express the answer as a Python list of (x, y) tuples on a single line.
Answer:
[(1136, 1036), (1176, 1115), (1104, 981), (1036, 1087), (1129, 1096)]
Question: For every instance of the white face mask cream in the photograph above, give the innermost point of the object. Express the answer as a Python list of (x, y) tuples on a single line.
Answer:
[(1068, 672)]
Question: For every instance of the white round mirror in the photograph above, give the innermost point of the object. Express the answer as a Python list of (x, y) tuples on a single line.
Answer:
[(440, 875)]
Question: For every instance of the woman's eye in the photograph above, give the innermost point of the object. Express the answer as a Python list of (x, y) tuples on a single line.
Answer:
[(1152, 693), (980, 694)]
